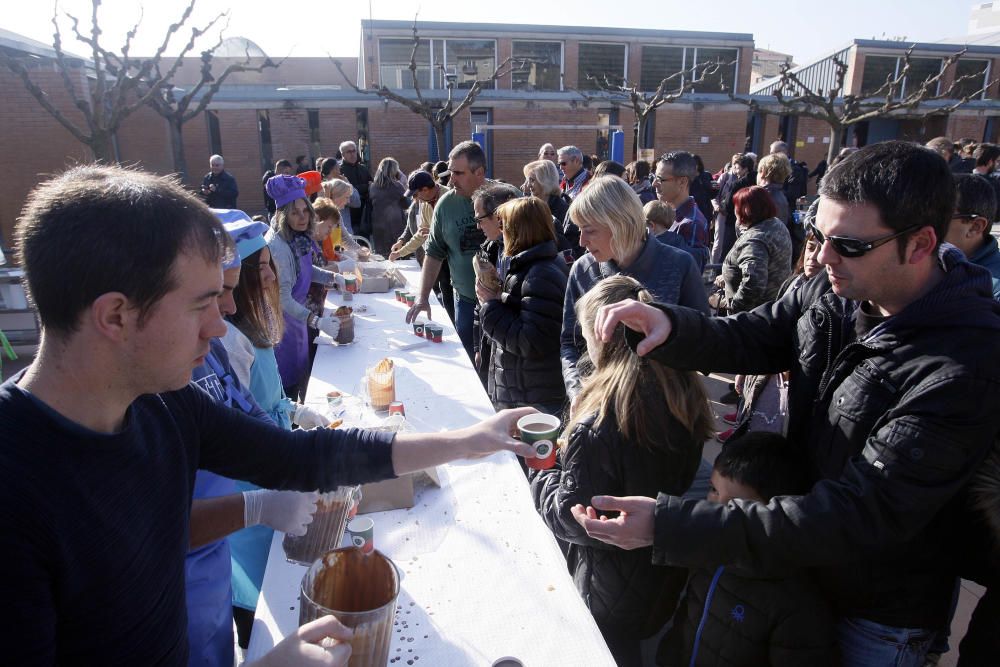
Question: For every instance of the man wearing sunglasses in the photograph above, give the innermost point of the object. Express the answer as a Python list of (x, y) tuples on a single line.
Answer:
[(895, 379), (972, 222)]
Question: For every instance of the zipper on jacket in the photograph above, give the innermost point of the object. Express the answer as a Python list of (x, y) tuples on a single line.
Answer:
[(704, 613)]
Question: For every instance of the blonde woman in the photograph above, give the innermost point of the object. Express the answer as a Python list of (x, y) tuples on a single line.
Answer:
[(638, 426), (613, 229), (330, 211), (388, 205), (542, 180)]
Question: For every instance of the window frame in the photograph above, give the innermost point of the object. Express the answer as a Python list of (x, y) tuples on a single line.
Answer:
[(562, 61), (581, 81)]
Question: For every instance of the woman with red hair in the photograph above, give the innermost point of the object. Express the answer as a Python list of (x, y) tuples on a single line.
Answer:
[(761, 258)]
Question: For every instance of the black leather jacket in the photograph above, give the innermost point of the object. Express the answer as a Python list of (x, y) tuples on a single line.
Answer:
[(895, 426), (523, 329)]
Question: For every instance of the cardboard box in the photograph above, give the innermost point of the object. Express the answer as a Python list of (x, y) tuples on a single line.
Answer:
[(394, 494)]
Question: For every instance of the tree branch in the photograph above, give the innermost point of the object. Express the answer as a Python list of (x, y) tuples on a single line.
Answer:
[(42, 97)]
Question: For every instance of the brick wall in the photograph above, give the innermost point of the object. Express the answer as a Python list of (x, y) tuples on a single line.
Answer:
[(682, 127), (33, 143), (144, 140), (241, 149), (961, 126), (335, 126), (397, 132)]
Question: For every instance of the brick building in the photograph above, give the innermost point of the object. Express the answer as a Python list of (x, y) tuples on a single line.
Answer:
[(306, 107), (869, 63)]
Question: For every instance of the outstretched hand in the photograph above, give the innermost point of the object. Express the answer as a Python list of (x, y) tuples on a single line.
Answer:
[(637, 316), (631, 529)]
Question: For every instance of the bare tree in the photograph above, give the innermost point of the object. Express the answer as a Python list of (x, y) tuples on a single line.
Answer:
[(670, 89), (179, 109), (839, 111), (120, 83), (437, 112)]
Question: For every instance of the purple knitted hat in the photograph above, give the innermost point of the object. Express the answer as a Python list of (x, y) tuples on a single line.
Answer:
[(283, 189)]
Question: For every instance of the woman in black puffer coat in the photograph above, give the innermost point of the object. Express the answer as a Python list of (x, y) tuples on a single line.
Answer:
[(524, 319), (638, 429)]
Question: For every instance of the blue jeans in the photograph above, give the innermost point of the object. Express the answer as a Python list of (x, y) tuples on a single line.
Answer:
[(464, 314), (865, 643)]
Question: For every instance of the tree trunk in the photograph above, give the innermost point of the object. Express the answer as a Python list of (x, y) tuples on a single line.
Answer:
[(442, 142), (102, 144), (640, 131), (835, 131), (177, 148)]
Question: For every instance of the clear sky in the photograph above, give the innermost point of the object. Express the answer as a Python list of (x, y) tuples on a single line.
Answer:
[(805, 29)]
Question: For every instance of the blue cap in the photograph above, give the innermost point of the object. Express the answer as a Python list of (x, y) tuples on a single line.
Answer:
[(247, 234)]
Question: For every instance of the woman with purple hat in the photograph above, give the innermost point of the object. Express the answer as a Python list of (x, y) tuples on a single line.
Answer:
[(291, 245)]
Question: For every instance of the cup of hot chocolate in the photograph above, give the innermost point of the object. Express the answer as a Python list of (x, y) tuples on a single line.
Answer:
[(540, 431)]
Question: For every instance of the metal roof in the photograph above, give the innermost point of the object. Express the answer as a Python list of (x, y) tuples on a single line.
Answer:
[(459, 28)]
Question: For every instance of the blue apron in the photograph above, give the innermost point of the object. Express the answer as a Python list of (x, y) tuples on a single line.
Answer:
[(207, 570), (250, 546)]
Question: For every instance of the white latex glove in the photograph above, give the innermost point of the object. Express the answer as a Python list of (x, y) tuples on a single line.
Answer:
[(307, 417), (287, 511), (320, 643), (338, 282), (329, 325)]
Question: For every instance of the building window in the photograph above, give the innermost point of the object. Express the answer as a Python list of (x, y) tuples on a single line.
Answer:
[(659, 62), (977, 69), (543, 69), (879, 69), (394, 63), (601, 61), (921, 69), (471, 60), (264, 132), (723, 80), (468, 59), (214, 133)]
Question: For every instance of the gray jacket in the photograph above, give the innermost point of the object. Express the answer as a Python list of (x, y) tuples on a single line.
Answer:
[(669, 274), (757, 265), (288, 272)]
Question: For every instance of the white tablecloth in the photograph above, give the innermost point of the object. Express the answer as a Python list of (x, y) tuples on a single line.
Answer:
[(483, 577)]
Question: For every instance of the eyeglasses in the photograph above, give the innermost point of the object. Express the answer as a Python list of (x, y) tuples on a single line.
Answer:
[(660, 179), (965, 216), (563, 164), (846, 246), (480, 218)]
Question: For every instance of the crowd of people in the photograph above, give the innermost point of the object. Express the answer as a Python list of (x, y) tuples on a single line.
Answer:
[(860, 481)]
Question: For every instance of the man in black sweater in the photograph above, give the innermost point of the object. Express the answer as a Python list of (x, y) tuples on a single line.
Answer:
[(102, 434)]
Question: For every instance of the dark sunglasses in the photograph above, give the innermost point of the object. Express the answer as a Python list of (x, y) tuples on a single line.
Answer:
[(965, 216), (845, 246)]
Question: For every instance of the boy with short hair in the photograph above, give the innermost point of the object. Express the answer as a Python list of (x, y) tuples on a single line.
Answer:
[(736, 616)]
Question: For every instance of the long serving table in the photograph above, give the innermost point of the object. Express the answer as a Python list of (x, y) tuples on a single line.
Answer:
[(482, 576)]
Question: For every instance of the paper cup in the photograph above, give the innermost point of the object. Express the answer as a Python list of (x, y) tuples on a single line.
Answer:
[(362, 532), (541, 431), (418, 328), (334, 399)]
